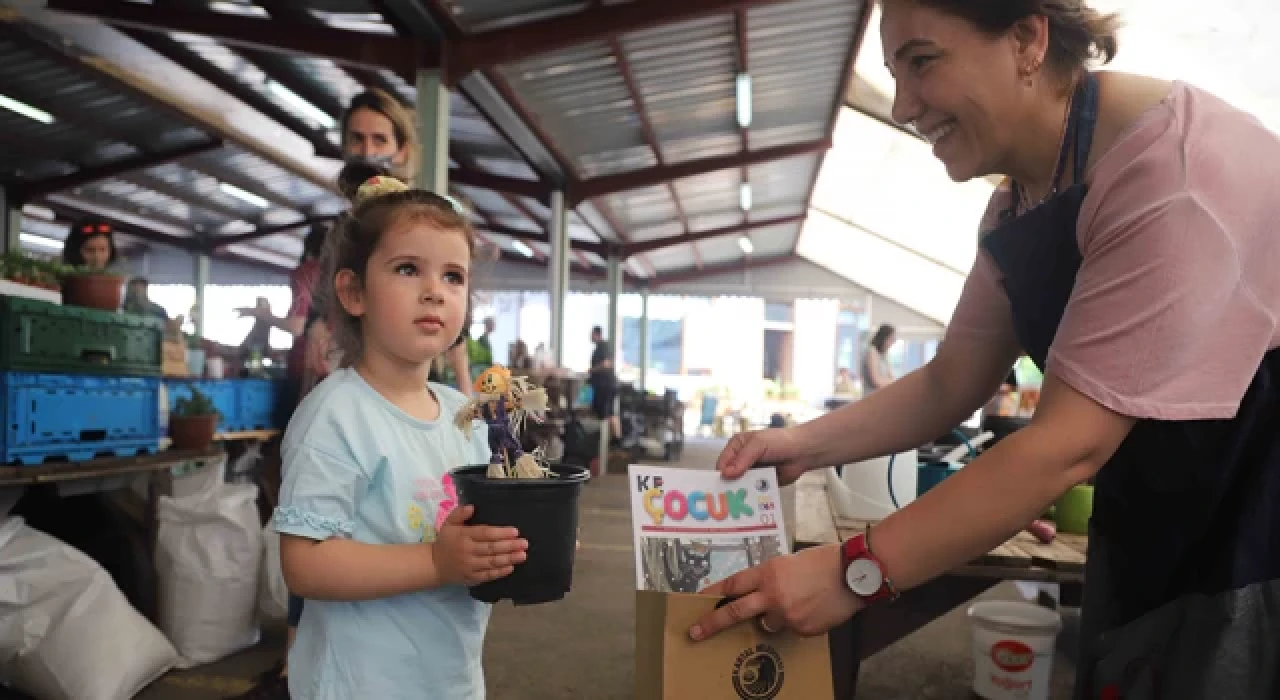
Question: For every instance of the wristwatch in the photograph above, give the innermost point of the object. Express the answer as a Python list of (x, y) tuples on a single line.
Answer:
[(864, 574)]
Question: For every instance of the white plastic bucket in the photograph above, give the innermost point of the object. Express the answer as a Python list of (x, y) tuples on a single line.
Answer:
[(1013, 645), (862, 492)]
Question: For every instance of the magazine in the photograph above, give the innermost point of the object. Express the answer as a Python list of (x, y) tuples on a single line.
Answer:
[(692, 528)]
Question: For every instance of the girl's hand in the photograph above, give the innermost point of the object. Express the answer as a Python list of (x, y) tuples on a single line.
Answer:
[(803, 592), (473, 554), (776, 447)]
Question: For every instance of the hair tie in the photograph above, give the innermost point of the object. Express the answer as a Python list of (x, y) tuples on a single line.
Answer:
[(378, 186)]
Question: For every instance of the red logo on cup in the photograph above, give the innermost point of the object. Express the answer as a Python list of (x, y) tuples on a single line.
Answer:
[(1012, 656)]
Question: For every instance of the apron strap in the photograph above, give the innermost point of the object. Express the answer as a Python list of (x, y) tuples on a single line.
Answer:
[(1080, 124)]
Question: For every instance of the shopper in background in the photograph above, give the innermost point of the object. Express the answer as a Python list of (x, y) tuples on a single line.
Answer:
[(137, 300), (1132, 254), (90, 243), (876, 373), (604, 384)]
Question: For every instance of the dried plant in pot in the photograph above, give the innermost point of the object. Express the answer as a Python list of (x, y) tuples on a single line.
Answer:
[(193, 421), (520, 489)]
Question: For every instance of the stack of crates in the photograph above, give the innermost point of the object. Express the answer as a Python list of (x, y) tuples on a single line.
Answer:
[(244, 405), (77, 383)]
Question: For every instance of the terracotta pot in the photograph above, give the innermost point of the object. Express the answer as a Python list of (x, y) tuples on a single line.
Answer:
[(96, 291), (192, 432)]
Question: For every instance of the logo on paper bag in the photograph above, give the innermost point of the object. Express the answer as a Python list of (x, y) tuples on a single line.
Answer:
[(757, 673), (1012, 656)]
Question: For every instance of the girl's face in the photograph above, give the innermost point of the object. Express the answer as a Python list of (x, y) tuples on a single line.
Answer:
[(414, 297), (96, 252)]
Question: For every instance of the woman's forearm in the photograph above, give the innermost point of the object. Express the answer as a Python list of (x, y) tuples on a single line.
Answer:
[(339, 569), (905, 414), (993, 497)]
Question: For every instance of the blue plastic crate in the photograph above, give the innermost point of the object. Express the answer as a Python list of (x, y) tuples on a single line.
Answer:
[(222, 392), (258, 403), (77, 417)]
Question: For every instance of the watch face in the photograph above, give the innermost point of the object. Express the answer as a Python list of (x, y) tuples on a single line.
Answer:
[(864, 577)]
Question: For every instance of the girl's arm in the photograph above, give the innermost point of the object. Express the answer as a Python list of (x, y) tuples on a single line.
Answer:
[(328, 570), (343, 569)]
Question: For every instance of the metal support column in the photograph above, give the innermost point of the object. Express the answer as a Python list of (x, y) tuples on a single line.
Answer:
[(10, 221), (433, 131), (612, 337), (558, 271), (201, 279), (644, 339)]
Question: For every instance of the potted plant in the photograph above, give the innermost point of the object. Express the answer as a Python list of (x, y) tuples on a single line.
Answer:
[(193, 421), (95, 289), (520, 489)]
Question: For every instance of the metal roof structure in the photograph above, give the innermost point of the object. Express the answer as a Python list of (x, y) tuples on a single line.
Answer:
[(629, 107)]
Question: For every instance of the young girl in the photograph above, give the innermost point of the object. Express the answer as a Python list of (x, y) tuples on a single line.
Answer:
[(371, 535)]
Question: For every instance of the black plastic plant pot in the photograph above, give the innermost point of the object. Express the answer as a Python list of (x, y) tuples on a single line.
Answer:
[(545, 511)]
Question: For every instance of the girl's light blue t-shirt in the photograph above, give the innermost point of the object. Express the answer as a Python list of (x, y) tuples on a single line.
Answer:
[(357, 466)]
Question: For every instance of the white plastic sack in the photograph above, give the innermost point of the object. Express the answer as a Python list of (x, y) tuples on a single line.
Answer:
[(273, 594), (66, 630), (208, 557), (198, 477)]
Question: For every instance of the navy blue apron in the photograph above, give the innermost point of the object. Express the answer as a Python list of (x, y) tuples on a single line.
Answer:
[(1182, 583)]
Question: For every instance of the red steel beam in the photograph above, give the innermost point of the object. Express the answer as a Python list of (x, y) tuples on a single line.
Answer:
[(649, 177), (650, 136), (518, 43), (667, 242), (533, 189), (264, 231), (85, 176), (545, 226), (849, 60), (690, 275), (340, 46)]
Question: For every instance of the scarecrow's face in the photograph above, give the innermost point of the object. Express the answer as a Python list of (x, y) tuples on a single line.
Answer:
[(492, 381)]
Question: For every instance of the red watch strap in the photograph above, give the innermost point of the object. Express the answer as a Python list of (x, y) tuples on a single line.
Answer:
[(857, 548)]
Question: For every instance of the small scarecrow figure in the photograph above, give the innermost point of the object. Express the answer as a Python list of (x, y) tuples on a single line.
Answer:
[(504, 403)]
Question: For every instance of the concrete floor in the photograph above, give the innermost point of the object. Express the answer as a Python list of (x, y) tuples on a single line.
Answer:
[(581, 647)]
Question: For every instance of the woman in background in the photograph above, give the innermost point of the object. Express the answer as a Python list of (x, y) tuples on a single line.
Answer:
[(876, 373), (90, 244)]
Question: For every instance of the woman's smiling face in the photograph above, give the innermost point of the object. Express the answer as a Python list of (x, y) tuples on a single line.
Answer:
[(958, 86)]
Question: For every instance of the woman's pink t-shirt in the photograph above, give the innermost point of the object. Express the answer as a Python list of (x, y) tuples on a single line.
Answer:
[(1178, 296)]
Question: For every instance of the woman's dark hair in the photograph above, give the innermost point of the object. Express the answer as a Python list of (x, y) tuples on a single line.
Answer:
[(353, 175), (352, 241), (880, 341), (1078, 34), (313, 243), (81, 231)]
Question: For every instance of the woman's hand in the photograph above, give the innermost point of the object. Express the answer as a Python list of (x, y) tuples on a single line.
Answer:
[(803, 592), (775, 447), (473, 554)]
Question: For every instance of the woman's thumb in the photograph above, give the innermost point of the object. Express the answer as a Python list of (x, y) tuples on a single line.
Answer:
[(738, 456)]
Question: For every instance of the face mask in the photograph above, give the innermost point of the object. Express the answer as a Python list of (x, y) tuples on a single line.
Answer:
[(371, 160)]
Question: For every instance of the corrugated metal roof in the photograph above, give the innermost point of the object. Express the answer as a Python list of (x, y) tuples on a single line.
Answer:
[(684, 88)]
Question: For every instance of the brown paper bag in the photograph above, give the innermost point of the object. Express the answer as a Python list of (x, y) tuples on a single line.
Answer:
[(741, 663)]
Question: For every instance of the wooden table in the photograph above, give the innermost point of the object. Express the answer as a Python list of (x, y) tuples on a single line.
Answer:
[(1021, 558)]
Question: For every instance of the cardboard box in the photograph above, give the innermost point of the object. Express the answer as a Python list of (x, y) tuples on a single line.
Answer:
[(741, 663)]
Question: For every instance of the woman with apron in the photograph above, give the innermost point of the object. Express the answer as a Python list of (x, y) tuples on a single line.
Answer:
[(1132, 255)]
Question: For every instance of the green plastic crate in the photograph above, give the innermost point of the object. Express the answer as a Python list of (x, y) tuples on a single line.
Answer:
[(37, 336)]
